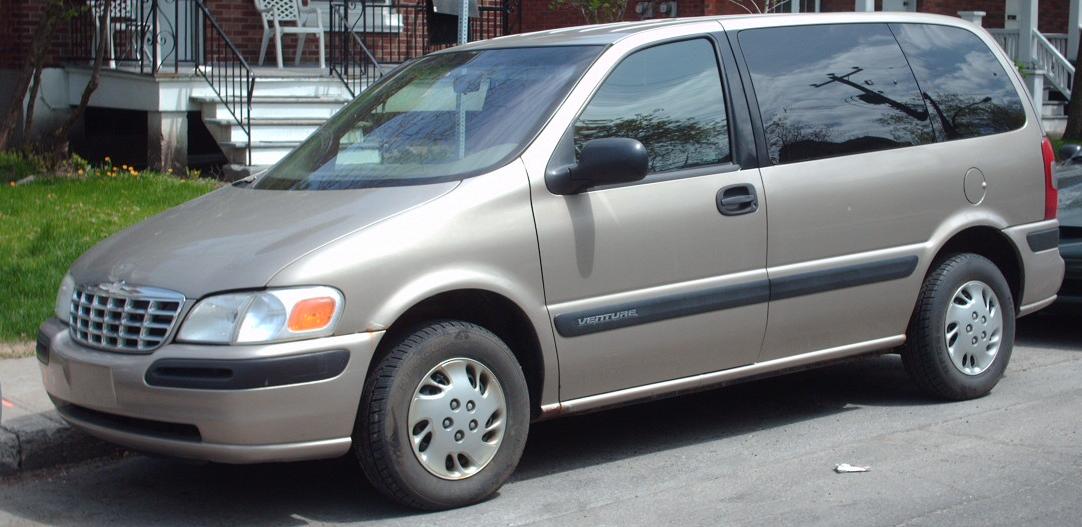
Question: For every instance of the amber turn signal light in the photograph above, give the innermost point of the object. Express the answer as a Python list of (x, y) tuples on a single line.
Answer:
[(311, 314)]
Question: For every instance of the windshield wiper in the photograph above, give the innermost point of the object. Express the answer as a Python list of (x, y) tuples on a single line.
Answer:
[(244, 182)]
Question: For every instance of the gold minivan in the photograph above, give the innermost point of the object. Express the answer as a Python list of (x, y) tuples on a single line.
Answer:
[(563, 221)]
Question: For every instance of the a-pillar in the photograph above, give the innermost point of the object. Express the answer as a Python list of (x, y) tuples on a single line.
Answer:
[(167, 141)]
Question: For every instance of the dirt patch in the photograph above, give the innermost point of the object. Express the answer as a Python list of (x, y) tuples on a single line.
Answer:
[(15, 350)]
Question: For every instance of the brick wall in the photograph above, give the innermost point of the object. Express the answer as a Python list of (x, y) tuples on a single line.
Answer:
[(1052, 17), (537, 15), (241, 22), (993, 8), (18, 19)]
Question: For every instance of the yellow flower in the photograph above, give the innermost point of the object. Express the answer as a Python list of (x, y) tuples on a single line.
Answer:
[(11, 183), (81, 172)]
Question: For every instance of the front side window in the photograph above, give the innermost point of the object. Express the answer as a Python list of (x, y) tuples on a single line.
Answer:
[(444, 117), (670, 98), (832, 90), (967, 90)]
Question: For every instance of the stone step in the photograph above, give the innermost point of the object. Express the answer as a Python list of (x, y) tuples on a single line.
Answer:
[(263, 152), (307, 107), (263, 130), (1053, 109)]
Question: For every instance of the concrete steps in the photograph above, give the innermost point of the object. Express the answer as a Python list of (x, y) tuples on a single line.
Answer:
[(285, 111), (1054, 116)]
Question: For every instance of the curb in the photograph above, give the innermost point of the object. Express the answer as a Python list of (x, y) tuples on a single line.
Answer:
[(32, 434), (26, 446)]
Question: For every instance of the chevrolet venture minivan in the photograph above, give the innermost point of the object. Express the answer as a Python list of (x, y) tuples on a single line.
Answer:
[(558, 222)]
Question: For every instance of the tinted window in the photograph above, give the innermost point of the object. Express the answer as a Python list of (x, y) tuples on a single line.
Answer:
[(833, 90), (967, 89), (670, 98)]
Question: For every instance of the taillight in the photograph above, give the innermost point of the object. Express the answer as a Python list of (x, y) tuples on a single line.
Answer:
[(1051, 195)]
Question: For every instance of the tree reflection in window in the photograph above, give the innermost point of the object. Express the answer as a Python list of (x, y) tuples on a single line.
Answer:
[(670, 98), (965, 86), (834, 90)]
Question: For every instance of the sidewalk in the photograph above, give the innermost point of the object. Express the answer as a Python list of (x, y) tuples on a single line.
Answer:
[(32, 435)]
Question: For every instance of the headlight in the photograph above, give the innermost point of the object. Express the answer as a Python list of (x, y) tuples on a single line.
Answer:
[(263, 316), (63, 298)]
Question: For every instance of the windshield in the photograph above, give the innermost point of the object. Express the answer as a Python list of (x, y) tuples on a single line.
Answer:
[(445, 117)]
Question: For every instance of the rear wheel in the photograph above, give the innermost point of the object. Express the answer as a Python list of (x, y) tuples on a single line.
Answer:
[(962, 331), (444, 417)]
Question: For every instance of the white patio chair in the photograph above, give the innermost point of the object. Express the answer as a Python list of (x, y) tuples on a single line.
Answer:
[(123, 18), (281, 17)]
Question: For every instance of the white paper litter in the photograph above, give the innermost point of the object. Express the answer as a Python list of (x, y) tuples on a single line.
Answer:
[(846, 468)]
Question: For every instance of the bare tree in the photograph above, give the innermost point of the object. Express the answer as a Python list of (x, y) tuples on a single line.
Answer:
[(760, 6), (58, 146), (16, 121), (1074, 109), (13, 123), (595, 11)]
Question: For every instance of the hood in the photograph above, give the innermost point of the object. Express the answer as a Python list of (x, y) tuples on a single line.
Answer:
[(238, 238)]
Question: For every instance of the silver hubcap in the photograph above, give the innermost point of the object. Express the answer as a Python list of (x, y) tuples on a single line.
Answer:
[(974, 328), (456, 418)]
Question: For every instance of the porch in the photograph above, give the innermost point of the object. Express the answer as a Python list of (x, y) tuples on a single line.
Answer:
[(192, 65), (177, 60)]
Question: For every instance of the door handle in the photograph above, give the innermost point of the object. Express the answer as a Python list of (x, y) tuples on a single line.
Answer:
[(735, 200)]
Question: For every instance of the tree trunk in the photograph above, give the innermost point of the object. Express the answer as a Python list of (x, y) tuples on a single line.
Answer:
[(44, 31), (59, 144), (35, 86), (1074, 110)]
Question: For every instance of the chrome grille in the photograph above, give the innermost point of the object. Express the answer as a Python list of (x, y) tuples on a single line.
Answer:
[(119, 317)]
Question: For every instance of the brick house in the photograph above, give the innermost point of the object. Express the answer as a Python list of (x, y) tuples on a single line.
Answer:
[(184, 85)]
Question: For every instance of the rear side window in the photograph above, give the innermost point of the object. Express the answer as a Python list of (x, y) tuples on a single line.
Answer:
[(967, 90), (832, 90), (670, 98)]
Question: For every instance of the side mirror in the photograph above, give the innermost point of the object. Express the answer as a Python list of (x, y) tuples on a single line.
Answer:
[(602, 162), (1070, 153)]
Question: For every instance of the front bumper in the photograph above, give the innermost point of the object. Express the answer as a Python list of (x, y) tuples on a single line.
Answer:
[(232, 404)]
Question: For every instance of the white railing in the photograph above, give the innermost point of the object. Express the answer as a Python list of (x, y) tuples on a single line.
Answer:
[(1058, 41), (1008, 40), (1057, 69)]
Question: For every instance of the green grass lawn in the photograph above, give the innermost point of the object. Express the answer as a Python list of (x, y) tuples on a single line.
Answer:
[(46, 225)]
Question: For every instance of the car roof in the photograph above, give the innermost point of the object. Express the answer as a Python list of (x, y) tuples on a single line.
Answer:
[(604, 34)]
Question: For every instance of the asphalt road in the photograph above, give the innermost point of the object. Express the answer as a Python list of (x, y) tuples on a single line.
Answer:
[(758, 453)]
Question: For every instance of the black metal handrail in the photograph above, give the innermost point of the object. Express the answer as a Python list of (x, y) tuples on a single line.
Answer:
[(151, 37), (368, 37), (229, 75), (147, 36), (349, 58)]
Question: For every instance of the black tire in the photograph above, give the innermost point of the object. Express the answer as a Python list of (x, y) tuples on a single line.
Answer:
[(925, 354), (383, 444)]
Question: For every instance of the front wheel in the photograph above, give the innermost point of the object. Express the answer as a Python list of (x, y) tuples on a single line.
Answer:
[(444, 417), (962, 331)]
